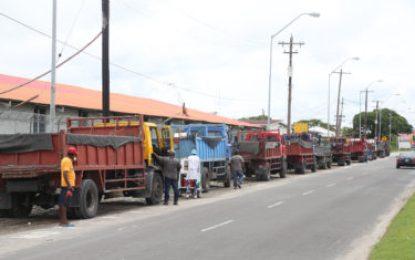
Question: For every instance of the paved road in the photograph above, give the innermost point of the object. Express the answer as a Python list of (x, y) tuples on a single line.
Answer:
[(317, 216)]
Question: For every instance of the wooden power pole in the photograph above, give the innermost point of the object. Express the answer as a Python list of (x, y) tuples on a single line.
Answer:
[(105, 58), (291, 43), (338, 119)]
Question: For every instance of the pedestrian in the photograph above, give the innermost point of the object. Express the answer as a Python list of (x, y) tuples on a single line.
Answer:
[(237, 163), (171, 168), (193, 174), (67, 185)]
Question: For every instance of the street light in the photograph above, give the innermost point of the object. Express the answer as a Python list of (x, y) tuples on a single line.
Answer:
[(328, 96), (313, 14)]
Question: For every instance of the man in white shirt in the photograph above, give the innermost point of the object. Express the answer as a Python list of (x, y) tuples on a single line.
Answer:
[(193, 174)]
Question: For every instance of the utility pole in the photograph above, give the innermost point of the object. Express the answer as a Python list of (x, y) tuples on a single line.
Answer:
[(366, 104), (291, 43), (390, 126), (341, 116), (377, 121), (105, 59), (341, 72), (52, 111)]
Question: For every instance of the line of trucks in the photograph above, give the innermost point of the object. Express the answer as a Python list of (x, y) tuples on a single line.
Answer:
[(115, 158)]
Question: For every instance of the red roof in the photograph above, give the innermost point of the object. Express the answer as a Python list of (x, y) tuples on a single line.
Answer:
[(78, 97)]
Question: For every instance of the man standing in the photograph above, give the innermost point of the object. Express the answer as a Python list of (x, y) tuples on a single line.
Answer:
[(67, 185), (193, 174), (171, 168), (236, 163)]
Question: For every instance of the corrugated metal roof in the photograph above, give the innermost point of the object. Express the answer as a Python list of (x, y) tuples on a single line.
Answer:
[(79, 97)]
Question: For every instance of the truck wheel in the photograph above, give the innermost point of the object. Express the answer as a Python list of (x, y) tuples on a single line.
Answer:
[(205, 180), (300, 168), (340, 163), (156, 191), (329, 164), (88, 199), (227, 182), (348, 162), (283, 171), (323, 164), (267, 174), (398, 166), (314, 166), (21, 205)]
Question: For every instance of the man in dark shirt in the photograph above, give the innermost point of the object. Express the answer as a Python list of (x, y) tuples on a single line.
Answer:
[(237, 163), (171, 168)]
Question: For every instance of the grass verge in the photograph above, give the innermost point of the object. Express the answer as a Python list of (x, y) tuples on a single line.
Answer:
[(399, 240)]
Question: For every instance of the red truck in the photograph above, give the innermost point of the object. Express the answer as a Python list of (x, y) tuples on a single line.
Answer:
[(341, 150), (264, 154), (300, 152), (358, 149), (111, 159)]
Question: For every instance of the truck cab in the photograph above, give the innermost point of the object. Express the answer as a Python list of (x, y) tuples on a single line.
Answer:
[(158, 139)]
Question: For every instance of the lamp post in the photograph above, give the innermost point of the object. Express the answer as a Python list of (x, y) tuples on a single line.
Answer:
[(328, 94), (315, 15), (366, 91)]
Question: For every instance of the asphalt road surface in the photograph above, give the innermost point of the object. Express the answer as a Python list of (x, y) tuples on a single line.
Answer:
[(317, 216)]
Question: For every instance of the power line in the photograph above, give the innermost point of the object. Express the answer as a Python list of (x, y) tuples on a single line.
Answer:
[(150, 78), (57, 66)]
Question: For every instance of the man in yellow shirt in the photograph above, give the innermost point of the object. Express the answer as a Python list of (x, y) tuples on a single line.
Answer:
[(67, 185)]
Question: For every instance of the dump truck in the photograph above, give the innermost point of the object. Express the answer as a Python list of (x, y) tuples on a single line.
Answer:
[(381, 148), (264, 154), (322, 151), (359, 149), (300, 154), (213, 148), (114, 158), (371, 149), (340, 147)]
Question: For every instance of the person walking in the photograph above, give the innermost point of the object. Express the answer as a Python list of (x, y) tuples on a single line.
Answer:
[(193, 174), (171, 168), (236, 163), (67, 185)]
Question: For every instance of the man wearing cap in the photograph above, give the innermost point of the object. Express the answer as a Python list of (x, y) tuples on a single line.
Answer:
[(67, 185), (171, 168), (193, 174), (237, 164)]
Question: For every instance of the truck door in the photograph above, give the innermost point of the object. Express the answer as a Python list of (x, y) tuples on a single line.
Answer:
[(167, 139)]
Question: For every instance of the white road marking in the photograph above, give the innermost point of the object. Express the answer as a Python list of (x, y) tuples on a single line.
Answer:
[(350, 178), (37, 234), (217, 225), (121, 228), (275, 204), (308, 192), (330, 185)]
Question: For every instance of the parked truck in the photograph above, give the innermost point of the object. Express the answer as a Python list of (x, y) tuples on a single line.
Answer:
[(300, 154), (212, 146), (359, 149), (340, 147), (264, 154), (322, 151), (114, 157)]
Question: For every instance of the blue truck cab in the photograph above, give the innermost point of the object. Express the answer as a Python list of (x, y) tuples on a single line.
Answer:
[(212, 146)]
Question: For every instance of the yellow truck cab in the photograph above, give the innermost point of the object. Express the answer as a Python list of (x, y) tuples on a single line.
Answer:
[(157, 138)]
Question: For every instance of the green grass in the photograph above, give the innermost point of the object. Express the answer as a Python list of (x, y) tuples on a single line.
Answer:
[(399, 240)]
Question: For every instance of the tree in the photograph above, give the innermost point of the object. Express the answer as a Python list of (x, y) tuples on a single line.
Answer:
[(256, 118), (399, 123)]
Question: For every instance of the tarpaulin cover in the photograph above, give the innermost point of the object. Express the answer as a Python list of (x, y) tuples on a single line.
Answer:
[(322, 150), (212, 141), (249, 147), (101, 140), (19, 143)]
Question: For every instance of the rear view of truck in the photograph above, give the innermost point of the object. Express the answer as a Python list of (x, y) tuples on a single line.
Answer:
[(340, 147), (212, 146), (110, 161), (358, 149), (300, 154), (264, 154)]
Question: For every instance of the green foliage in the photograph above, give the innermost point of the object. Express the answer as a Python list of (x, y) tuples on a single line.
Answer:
[(347, 131), (258, 118), (399, 240), (399, 123)]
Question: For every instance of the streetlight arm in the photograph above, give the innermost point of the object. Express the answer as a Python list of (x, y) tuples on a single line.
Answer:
[(288, 24)]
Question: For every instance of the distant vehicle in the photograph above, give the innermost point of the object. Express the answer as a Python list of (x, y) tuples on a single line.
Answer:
[(341, 149), (405, 160), (300, 152)]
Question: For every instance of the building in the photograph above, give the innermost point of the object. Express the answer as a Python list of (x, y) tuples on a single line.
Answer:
[(276, 124), (26, 109)]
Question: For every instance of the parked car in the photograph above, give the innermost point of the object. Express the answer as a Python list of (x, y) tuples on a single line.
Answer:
[(405, 160)]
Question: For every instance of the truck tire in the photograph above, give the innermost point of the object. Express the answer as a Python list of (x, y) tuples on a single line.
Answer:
[(156, 191), (398, 166), (205, 180), (348, 161), (21, 205), (324, 163), (329, 164), (314, 166), (283, 171), (267, 175), (227, 182), (341, 163), (88, 200), (300, 168)]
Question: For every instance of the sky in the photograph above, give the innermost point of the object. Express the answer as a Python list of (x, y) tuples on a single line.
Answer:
[(214, 55)]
